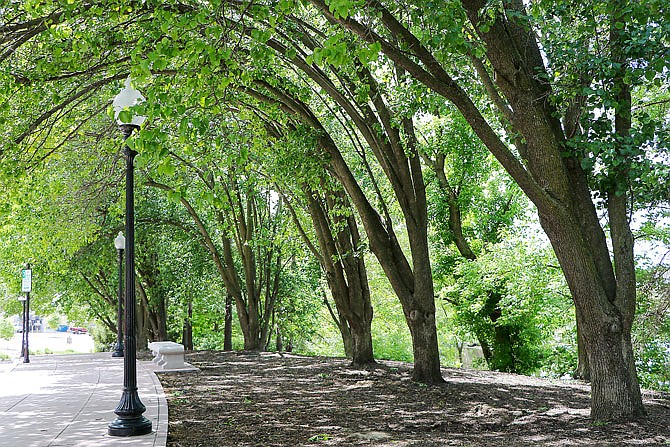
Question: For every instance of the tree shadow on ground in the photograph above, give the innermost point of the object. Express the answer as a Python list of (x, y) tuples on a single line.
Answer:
[(252, 399)]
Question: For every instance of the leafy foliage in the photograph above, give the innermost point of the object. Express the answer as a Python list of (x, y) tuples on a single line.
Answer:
[(533, 300)]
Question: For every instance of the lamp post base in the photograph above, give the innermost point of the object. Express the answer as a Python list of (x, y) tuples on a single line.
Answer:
[(118, 350), (136, 426), (129, 420)]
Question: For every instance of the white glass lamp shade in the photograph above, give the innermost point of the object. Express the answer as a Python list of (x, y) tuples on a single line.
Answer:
[(127, 98), (120, 241)]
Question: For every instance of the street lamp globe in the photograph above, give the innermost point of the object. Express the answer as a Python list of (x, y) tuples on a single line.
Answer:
[(120, 241), (127, 98)]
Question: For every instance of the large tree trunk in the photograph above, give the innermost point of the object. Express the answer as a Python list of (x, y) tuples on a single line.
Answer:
[(419, 306), (606, 330), (604, 296), (361, 350), (421, 322)]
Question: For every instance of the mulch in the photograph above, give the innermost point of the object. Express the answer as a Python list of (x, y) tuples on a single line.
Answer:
[(267, 399)]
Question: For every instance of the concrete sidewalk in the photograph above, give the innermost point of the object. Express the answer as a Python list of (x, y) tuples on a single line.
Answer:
[(68, 400)]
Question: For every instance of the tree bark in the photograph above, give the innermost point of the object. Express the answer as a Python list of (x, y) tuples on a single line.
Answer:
[(583, 371), (228, 324), (187, 336)]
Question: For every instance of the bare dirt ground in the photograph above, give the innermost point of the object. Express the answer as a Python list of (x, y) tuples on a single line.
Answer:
[(252, 399)]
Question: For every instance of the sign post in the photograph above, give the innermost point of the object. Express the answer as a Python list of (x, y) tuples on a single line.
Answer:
[(26, 287)]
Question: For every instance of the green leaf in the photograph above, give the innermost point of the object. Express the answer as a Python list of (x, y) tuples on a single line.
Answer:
[(340, 8), (125, 116), (174, 196)]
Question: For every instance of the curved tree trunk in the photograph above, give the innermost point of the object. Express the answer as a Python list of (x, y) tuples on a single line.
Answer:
[(606, 332)]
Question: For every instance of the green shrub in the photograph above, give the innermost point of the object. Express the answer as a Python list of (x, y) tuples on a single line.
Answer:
[(6, 329), (103, 338), (561, 361), (213, 341), (392, 342), (653, 366)]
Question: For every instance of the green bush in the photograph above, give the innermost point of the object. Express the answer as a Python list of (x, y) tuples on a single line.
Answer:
[(653, 366), (213, 341), (508, 299), (6, 329), (392, 342), (103, 338), (561, 361)]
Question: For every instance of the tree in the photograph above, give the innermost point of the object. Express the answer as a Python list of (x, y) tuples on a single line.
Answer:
[(340, 257), (6, 328), (396, 153), (553, 171), (470, 188), (531, 304), (156, 51)]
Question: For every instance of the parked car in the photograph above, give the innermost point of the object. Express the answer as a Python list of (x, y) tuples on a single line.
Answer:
[(62, 328), (78, 330)]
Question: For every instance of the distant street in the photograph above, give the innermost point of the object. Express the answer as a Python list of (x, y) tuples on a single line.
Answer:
[(48, 342)]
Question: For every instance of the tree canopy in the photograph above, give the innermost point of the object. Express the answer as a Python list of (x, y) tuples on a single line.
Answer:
[(299, 153)]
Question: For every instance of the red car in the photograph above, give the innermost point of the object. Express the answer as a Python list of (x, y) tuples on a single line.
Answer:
[(78, 330)]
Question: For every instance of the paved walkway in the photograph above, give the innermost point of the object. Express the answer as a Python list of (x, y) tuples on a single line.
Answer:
[(68, 400)]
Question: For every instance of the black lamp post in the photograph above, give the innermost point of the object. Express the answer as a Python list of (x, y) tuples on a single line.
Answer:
[(26, 286), (129, 421), (119, 244)]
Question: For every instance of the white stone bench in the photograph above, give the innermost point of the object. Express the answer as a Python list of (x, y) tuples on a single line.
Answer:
[(168, 354)]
